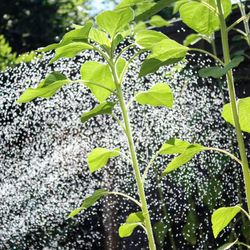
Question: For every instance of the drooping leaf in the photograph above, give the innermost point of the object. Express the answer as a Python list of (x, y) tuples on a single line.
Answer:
[(164, 51), (80, 35), (228, 245), (192, 39), (89, 201), (217, 72), (243, 112), (99, 73), (99, 157), (70, 50), (102, 108), (222, 217), (158, 21), (115, 21), (47, 88), (159, 95), (182, 159), (133, 220), (174, 146)]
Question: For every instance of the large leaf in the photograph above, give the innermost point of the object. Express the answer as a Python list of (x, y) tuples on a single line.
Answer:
[(174, 146), (222, 217), (217, 72), (243, 112), (164, 51), (227, 246), (70, 50), (99, 157), (182, 159), (133, 220), (89, 201), (159, 95), (102, 108), (80, 34), (158, 21), (114, 21), (47, 88), (95, 72)]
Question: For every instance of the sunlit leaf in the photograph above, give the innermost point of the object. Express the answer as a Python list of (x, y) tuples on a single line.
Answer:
[(192, 39), (133, 220), (47, 88), (100, 37), (174, 146), (89, 201), (182, 159), (102, 108), (115, 21), (70, 50), (222, 217), (228, 245), (158, 21), (243, 112), (159, 95), (217, 72), (99, 157), (99, 73)]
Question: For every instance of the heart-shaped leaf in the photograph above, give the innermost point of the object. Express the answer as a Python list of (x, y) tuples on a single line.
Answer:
[(243, 112), (159, 95), (102, 108), (134, 220), (47, 88), (174, 146), (222, 217), (89, 201), (99, 157)]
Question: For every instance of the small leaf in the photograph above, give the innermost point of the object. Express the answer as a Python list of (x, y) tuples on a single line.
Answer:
[(158, 21), (133, 220), (102, 108), (70, 50), (99, 157), (243, 112), (99, 73), (117, 40), (174, 146), (148, 38), (114, 21), (227, 245), (217, 72), (192, 39), (89, 201), (100, 37), (182, 159), (222, 217), (160, 232), (159, 95), (47, 88)]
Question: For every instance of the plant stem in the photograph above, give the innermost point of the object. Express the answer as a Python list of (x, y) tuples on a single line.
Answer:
[(232, 95), (140, 186)]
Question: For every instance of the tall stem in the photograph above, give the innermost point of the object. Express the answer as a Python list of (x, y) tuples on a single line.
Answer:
[(232, 95), (140, 186)]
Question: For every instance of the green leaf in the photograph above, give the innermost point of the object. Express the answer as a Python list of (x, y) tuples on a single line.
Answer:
[(114, 21), (158, 21), (118, 39), (100, 37), (89, 201), (182, 159), (99, 73), (70, 50), (80, 35), (243, 112), (217, 72), (128, 3), (133, 220), (159, 95), (102, 108), (227, 245), (222, 217), (164, 51), (160, 232), (47, 88), (99, 157), (174, 146), (192, 39)]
